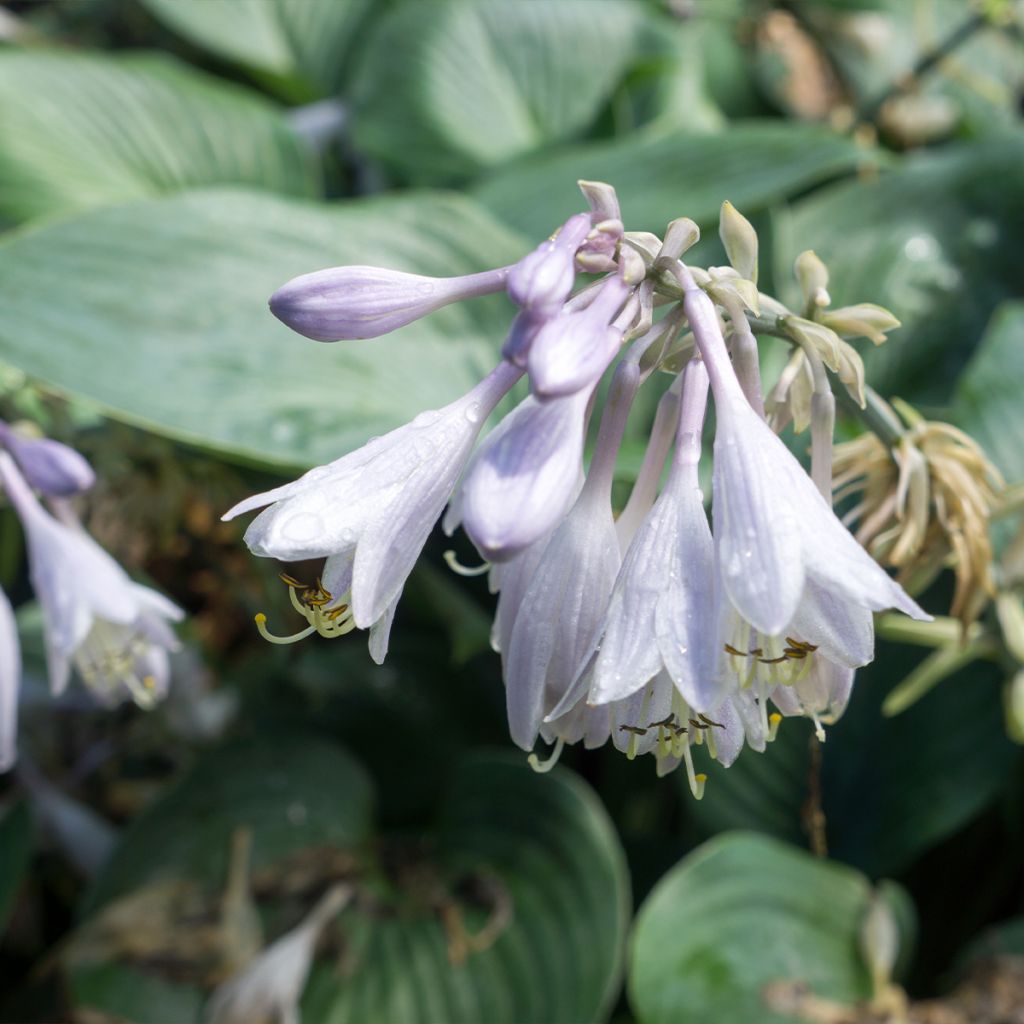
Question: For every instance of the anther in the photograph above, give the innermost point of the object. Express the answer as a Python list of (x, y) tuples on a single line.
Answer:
[(774, 721)]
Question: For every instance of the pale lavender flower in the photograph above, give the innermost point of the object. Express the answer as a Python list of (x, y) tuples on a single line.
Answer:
[(371, 511), (524, 478), (571, 352), (10, 684), (661, 613), (541, 281), (774, 532), (347, 303), (49, 466), (563, 603), (112, 630)]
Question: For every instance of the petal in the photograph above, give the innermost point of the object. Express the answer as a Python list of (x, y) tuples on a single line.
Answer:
[(10, 684), (843, 630), (380, 632)]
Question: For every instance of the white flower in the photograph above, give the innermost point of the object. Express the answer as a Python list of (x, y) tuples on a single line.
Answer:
[(268, 989), (371, 511), (10, 684), (775, 534), (113, 630)]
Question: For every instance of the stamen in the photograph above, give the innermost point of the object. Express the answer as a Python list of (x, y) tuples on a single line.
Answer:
[(261, 625), (464, 570), (774, 720), (819, 729), (540, 766), (291, 581), (709, 721)]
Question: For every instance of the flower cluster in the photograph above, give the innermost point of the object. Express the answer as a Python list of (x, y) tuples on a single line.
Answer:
[(656, 629), (115, 632)]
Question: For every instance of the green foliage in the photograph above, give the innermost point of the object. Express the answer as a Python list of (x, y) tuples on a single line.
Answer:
[(740, 913), (173, 128), (447, 88), (15, 854), (203, 361), (534, 855)]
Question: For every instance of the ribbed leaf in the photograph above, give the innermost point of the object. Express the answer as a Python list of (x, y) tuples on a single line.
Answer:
[(447, 87), (741, 912), (157, 311), (84, 130), (754, 164)]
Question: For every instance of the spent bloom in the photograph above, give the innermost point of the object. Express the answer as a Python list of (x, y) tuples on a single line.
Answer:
[(668, 628)]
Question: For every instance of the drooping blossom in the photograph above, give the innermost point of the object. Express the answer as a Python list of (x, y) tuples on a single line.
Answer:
[(49, 466), (114, 631), (370, 512)]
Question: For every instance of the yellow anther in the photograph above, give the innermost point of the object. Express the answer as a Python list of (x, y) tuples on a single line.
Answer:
[(774, 721), (698, 788)]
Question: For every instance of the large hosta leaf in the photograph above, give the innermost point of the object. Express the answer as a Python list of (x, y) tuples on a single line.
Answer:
[(740, 913), (532, 857), (157, 311), (85, 130), (448, 87), (988, 402), (935, 242), (754, 164), (306, 40)]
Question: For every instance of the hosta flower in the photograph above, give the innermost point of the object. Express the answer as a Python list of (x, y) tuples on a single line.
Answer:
[(660, 612), (370, 512), (524, 478), (49, 466), (562, 605), (774, 532), (112, 630), (347, 303), (10, 684), (541, 281)]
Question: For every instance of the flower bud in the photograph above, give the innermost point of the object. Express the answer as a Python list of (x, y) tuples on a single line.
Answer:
[(603, 200), (572, 351), (542, 280), (865, 320), (347, 303), (740, 241), (49, 466), (816, 337), (1015, 707), (813, 277), (680, 234)]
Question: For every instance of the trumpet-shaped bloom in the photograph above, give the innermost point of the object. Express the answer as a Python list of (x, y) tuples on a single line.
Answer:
[(562, 606), (347, 303), (372, 510), (774, 531), (524, 478), (49, 466), (10, 684), (113, 630)]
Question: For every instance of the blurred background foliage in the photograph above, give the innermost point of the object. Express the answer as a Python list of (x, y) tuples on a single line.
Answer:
[(164, 166)]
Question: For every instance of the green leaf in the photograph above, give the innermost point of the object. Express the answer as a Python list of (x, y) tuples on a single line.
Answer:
[(273, 785), (157, 311), (547, 844), (754, 164), (448, 87), (15, 854), (304, 39), (110, 129), (934, 242), (987, 401), (739, 913), (535, 857)]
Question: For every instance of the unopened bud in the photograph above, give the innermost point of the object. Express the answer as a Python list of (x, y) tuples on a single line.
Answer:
[(865, 320), (680, 234), (1010, 613), (851, 372), (49, 466), (348, 303), (813, 277), (740, 241), (815, 336), (1015, 707), (542, 280), (602, 198)]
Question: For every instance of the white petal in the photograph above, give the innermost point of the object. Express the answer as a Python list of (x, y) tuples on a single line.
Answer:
[(380, 632), (844, 631), (10, 684)]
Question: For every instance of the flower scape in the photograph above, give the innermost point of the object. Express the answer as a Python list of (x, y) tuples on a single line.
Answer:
[(670, 624)]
